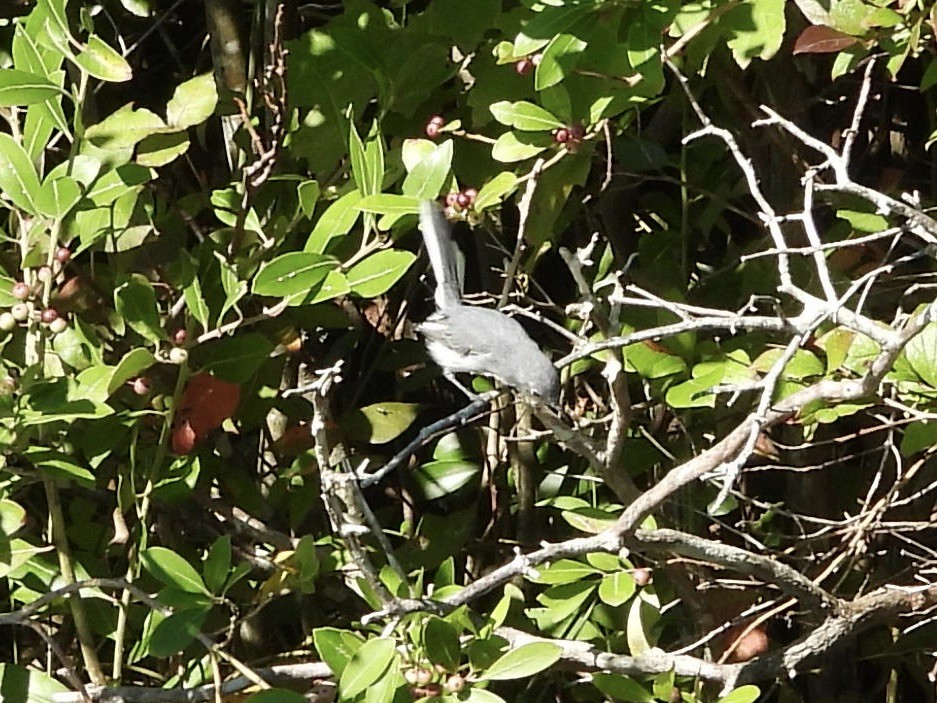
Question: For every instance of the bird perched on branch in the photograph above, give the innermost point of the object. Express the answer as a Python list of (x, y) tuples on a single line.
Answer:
[(466, 339)]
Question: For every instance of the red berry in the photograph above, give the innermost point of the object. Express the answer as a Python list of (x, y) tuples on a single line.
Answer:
[(179, 336), (462, 200), (21, 290), (471, 194), (49, 315), (63, 254), (141, 385), (451, 199), (561, 135), (523, 67), (434, 125)]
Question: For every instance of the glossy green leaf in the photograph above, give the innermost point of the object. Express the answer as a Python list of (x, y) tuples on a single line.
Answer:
[(308, 193), (337, 220), (124, 128), (217, 565), (621, 688), (57, 196), (335, 285), (389, 204), (757, 30), (101, 61), (60, 466), (437, 479), (524, 116), (563, 571), (19, 182), (742, 694), (558, 60), (172, 570), (23, 88), (376, 274), (616, 588), (176, 632), (162, 148), (427, 178), (367, 665), (135, 301), (921, 353), (293, 273), (441, 643), (233, 359), (495, 190), (131, 365), (19, 684), (336, 647), (551, 21), (192, 102), (526, 660), (482, 695), (513, 146), (918, 436), (12, 518), (381, 422)]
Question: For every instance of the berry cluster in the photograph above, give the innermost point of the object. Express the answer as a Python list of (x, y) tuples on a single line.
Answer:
[(527, 64), (28, 295), (434, 126)]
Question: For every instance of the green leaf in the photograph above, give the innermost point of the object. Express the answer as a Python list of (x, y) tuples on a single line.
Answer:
[(132, 364), (162, 148), (18, 179), (563, 571), (427, 178), (337, 220), (101, 61), (511, 147), (176, 632), (308, 194), (921, 353), (277, 695), (23, 88), (743, 694), (60, 466), (482, 695), (437, 479), (495, 190), (616, 588), (233, 359), (57, 196), (172, 570), (389, 204), (864, 221), (21, 685), (217, 564), (524, 116), (334, 285), (526, 660), (336, 647), (293, 273), (558, 59), (376, 274), (756, 30), (12, 518), (381, 422), (360, 171), (621, 688), (441, 643), (135, 301), (550, 22), (124, 128), (366, 666), (192, 102)]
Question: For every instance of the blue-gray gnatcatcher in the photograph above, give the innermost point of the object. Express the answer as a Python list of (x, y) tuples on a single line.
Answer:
[(466, 339)]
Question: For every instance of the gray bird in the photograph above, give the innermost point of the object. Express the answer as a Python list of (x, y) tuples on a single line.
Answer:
[(465, 339)]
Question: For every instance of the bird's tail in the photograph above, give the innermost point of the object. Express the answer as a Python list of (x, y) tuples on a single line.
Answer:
[(442, 255)]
